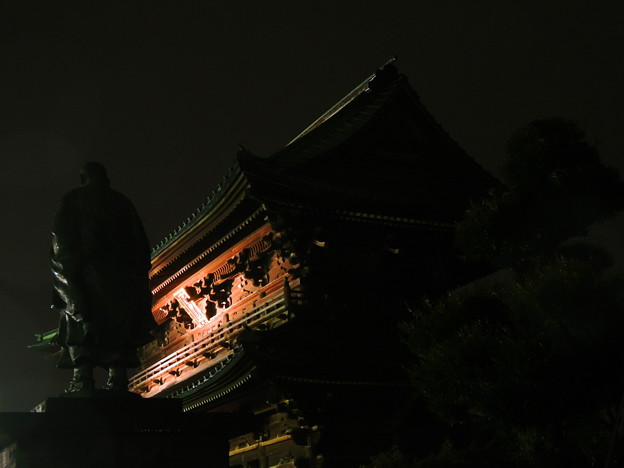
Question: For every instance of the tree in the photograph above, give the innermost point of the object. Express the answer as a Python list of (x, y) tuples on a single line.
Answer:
[(555, 187), (524, 366)]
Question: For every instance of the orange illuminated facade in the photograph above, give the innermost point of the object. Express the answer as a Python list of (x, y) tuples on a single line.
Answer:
[(278, 300), (201, 314)]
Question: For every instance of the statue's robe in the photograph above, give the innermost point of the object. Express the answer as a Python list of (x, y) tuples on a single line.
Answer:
[(100, 262)]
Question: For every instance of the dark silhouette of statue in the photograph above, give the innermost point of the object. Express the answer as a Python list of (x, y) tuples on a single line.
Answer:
[(100, 261)]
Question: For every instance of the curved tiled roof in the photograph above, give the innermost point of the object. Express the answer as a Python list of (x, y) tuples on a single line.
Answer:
[(323, 168), (200, 212)]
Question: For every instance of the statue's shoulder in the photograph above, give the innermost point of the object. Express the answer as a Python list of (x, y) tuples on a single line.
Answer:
[(72, 196), (119, 197)]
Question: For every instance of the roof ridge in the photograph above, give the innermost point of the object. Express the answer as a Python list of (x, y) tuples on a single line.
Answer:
[(363, 87)]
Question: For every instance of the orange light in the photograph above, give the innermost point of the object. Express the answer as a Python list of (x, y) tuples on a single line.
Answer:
[(199, 318)]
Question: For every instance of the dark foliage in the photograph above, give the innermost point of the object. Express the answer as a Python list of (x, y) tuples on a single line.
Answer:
[(523, 367), (556, 186), (529, 376)]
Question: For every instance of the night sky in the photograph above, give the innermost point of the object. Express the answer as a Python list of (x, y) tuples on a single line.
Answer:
[(163, 94)]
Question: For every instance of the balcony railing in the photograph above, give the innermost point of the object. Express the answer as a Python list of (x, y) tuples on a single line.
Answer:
[(213, 341)]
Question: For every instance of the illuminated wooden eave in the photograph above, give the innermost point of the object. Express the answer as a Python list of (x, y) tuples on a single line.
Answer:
[(214, 346), (186, 266), (223, 201)]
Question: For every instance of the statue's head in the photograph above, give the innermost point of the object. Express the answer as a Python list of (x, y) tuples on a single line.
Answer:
[(94, 173)]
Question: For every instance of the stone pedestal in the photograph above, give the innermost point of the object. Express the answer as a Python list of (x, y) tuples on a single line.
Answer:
[(104, 429)]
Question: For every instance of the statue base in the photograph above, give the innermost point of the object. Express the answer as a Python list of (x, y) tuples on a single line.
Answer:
[(99, 428)]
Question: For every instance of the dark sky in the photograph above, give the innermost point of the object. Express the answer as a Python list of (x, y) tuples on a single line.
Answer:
[(163, 94)]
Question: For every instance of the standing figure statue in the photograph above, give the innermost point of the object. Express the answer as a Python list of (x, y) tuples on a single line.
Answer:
[(100, 261)]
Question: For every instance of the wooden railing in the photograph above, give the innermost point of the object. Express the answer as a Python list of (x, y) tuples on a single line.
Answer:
[(213, 341)]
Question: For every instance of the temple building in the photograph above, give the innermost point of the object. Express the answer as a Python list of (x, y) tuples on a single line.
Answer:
[(278, 300)]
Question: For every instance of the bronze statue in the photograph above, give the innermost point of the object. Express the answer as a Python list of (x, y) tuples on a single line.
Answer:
[(100, 261)]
